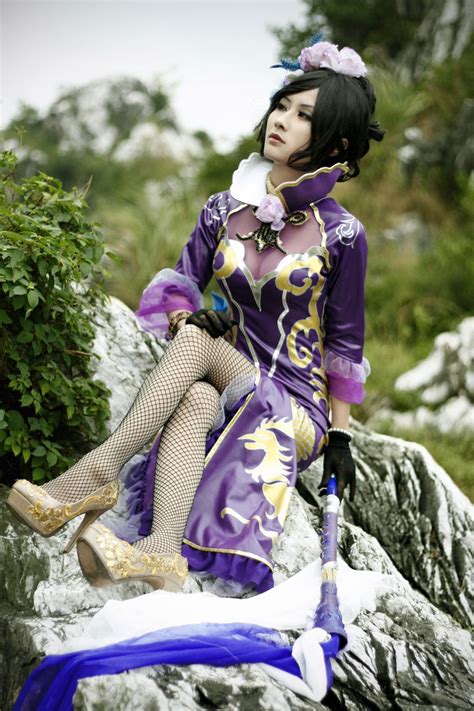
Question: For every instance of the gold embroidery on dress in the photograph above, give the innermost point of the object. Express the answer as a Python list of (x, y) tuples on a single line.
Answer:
[(304, 357), (305, 434), (273, 471)]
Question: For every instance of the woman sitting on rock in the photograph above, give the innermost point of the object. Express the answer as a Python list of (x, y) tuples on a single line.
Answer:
[(244, 399)]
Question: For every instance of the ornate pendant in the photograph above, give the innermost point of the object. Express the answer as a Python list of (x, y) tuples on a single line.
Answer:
[(265, 237)]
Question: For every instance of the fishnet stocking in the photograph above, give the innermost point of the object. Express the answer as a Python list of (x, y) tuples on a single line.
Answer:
[(179, 467), (192, 355)]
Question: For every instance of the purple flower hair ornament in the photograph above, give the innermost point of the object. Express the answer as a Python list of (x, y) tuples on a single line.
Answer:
[(325, 55)]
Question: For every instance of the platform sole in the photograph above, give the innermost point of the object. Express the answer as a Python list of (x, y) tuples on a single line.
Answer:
[(98, 574)]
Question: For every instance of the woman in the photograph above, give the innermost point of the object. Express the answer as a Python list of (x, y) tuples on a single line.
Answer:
[(239, 419)]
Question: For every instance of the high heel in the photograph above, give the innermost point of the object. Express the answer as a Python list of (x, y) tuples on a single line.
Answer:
[(106, 560), (34, 507)]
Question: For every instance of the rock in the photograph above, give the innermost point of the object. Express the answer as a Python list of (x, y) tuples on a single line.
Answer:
[(187, 689), (408, 520), (419, 516), (126, 355), (406, 651), (445, 383)]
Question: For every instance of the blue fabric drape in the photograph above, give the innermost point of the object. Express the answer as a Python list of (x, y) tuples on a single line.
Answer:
[(51, 686)]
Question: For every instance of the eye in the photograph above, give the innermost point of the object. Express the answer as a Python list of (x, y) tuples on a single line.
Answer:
[(306, 116), (281, 106)]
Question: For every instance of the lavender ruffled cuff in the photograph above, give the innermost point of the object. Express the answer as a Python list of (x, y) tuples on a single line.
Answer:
[(168, 291), (345, 378)]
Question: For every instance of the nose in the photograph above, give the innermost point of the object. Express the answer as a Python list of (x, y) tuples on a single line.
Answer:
[(281, 121)]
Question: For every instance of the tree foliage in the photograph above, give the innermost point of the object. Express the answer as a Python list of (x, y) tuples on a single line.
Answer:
[(384, 26), (50, 407)]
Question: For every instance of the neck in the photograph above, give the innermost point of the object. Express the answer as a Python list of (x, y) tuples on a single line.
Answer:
[(282, 173)]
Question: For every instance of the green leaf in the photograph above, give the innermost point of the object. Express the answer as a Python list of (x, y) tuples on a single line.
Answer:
[(4, 317), (43, 267), (33, 298), (39, 451), (26, 400), (15, 420), (26, 455), (16, 449), (51, 458), (25, 337), (23, 368), (38, 474), (18, 291)]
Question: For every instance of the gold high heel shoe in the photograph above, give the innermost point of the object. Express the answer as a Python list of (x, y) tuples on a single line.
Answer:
[(106, 560), (46, 515)]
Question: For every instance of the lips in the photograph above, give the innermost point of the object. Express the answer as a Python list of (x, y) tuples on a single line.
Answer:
[(276, 137)]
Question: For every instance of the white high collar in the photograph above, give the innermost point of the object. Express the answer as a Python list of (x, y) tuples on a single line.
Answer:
[(249, 180)]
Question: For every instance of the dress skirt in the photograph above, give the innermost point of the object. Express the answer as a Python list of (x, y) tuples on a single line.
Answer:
[(252, 460)]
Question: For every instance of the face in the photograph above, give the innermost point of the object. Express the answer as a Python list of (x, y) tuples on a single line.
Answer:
[(289, 126)]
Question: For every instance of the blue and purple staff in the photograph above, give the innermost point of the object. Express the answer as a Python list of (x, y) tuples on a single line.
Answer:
[(328, 616)]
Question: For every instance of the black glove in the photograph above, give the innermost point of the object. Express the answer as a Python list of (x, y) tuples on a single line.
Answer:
[(216, 323), (338, 460)]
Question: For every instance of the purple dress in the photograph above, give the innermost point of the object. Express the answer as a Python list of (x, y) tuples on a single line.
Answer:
[(301, 322)]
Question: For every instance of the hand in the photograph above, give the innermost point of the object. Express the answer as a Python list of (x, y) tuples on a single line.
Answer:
[(338, 460), (216, 323)]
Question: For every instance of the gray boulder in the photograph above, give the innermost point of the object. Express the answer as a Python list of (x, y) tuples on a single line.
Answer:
[(408, 520), (444, 382)]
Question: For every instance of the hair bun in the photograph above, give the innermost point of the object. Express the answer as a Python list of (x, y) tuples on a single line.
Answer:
[(375, 132)]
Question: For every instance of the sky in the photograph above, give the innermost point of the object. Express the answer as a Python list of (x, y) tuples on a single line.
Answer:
[(213, 55)]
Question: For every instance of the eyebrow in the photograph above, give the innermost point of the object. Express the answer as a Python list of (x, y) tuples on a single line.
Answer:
[(308, 106)]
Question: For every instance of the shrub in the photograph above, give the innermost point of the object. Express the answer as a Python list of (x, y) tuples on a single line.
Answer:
[(50, 407)]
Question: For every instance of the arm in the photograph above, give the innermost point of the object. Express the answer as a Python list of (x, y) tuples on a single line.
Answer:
[(346, 367), (181, 288), (340, 412)]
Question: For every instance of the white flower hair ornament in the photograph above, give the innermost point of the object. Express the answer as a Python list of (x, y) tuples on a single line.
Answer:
[(324, 55)]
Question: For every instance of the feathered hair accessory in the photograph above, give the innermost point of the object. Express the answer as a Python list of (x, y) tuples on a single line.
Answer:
[(324, 55)]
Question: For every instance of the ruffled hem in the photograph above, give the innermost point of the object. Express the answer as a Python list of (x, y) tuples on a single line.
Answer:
[(346, 389), (240, 386), (230, 566), (168, 291), (335, 363)]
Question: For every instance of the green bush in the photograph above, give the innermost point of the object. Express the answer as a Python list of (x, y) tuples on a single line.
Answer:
[(50, 407)]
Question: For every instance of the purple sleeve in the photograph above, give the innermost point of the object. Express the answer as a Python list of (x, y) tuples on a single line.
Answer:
[(346, 368), (182, 287)]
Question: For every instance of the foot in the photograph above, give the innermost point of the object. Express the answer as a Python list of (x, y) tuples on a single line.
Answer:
[(82, 479), (159, 543), (106, 559)]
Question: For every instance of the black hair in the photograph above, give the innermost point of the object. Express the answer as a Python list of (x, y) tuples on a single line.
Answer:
[(344, 109)]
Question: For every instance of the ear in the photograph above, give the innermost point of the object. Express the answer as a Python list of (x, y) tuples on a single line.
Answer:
[(345, 143)]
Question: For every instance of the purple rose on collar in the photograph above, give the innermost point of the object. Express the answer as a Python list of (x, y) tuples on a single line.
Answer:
[(271, 210)]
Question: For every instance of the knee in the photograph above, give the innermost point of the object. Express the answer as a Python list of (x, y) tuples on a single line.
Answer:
[(202, 398), (191, 334)]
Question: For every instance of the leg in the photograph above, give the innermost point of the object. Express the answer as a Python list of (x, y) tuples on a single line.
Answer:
[(192, 355), (179, 467)]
